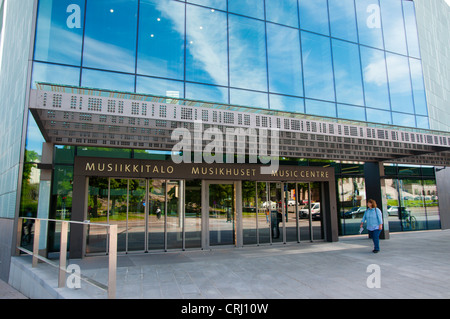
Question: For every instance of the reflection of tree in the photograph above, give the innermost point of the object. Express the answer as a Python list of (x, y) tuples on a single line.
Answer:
[(30, 192)]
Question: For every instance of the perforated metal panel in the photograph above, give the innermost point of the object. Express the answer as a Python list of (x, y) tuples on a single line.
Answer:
[(76, 116)]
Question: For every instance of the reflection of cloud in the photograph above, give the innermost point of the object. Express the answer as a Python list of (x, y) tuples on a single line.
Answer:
[(375, 72)]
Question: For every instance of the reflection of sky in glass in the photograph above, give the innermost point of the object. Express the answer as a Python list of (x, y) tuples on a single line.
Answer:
[(318, 70), (369, 23), (250, 8), (161, 39), (420, 102), (347, 73), (216, 4), (342, 19), (375, 79), (160, 87), (285, 67), (182, 50), (282, 12), (248, 68), (208, 93), (206, 58), (107, 80), (110, 39), (411, 29), (52, 73), (393, 27), (320, 108), (55, 41), (378, 116), (399, 83), (314, 16)]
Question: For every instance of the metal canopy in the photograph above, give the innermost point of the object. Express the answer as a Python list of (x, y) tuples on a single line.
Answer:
[(69, 115)]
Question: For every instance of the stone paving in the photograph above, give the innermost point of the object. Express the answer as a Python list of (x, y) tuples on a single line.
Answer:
[(410, 265)]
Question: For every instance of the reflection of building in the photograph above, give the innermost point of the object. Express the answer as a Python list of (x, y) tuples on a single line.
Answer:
[(344, 86)]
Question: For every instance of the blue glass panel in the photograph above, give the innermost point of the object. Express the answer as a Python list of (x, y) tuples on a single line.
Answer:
[(34, 136), (420, 101), (159, 87), (110, 39), (404, 119), (56, 74), (375, 79), (208, 93), (423, 122), (393, 26), (411, 29), (251, 8), (320, 108), (347, 73), (378, 116), (161, 39), (317, 67), (107, 80), (216, 4), (399, 83), (206, 58), (287, 103), (369, 23), (285, 67), (314, 16), (351, 112), (283, 12), (248, 67), (343, 20), (248, 98), (59, 31)]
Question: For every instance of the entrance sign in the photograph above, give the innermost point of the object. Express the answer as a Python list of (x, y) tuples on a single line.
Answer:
[(137, 168)]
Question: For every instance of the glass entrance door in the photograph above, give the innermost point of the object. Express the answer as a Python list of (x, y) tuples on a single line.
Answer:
[(222, 209)]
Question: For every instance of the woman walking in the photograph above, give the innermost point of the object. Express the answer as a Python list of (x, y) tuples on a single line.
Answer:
[(374, 220)]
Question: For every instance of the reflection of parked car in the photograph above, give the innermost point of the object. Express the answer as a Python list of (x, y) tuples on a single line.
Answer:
[(304, 212), (355, 212), (393, 211)]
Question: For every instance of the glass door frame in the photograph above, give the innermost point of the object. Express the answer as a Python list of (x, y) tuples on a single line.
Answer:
[(237, 203)]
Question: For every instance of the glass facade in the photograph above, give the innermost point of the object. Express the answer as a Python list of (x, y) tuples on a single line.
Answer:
[(349, 59)]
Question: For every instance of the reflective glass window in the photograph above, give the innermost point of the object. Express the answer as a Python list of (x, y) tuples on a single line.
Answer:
[(248, 67), (314, 16), (251, 8), (110, 36), (411, 29), (403, 119), (369, 23), (287, 103), (343, 20), (347, 73), (206, 57), (376, 90), (423, 122), (216, 4), (107, 80), (393, 26), (249, 98), (283, 50), (420, 101), (282, 12), (351, 112), (208, 93), (317, 67), (399, 83), (159, 87), (58, 74), (378, 116), (161, 39), (320, 108), (59, 31)]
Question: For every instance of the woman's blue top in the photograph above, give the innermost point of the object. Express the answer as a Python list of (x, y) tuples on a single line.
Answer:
[(373, 218)]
